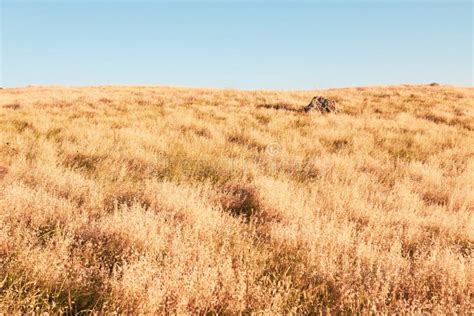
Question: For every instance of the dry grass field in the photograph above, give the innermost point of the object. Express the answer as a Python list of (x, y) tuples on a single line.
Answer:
[(194, 201)]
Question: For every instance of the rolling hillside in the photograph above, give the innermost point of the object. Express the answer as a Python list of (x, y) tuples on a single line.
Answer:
[(174, 200)]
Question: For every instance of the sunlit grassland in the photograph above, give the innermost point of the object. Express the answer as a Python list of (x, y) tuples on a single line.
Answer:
[(173, 200)]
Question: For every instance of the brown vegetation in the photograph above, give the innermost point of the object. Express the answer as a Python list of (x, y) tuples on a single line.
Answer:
[(171, 200)]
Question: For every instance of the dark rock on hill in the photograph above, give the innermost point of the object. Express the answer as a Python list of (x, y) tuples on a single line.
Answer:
[(322, 105)]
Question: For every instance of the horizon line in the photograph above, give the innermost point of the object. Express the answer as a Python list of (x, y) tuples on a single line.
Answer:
[(59, 86)]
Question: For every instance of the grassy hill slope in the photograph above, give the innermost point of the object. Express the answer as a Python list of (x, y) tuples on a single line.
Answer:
[(155, 199)]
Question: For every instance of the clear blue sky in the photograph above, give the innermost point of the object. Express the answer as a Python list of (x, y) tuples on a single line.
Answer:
[(248, 45)]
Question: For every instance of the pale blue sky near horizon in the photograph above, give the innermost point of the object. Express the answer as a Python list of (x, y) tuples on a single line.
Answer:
[(236, 44)]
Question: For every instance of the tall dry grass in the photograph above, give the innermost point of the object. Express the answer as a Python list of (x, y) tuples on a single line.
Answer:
[(169, 200)]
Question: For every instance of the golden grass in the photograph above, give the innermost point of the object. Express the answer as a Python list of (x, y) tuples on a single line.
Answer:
[(171, 200)]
